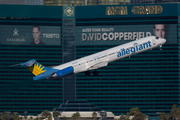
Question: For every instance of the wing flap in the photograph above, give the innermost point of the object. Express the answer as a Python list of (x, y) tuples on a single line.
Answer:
[(98, 65)]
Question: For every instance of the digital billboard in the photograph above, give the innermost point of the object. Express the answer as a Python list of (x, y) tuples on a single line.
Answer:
[(120, 34), (27, 35)]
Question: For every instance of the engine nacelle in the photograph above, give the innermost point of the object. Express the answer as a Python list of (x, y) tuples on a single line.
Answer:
[(63, 72)]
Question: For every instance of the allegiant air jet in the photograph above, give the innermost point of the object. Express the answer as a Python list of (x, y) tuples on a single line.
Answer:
[(94, 61)]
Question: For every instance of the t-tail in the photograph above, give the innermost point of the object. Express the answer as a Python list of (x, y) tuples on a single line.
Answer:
[(42, 72), (35, 67)]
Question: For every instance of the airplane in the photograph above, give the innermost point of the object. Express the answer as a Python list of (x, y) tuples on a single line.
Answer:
[(94, 61)]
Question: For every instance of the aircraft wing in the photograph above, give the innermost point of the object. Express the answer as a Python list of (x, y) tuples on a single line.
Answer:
[(98, 65)]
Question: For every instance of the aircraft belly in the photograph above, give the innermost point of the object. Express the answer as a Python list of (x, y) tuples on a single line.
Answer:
[(113, 58)]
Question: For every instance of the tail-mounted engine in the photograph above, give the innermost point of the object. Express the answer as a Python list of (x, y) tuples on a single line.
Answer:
[(54, 73), (63, 72)]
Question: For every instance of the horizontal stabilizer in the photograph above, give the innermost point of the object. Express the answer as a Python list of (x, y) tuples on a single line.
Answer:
[(29, 63), (16, 64)]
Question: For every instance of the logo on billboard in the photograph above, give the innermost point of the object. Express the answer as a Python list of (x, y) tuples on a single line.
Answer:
[(69, 12), (15, 39), (105, 34), (121, 10), (50, 35), (152, 9), (15, 32)]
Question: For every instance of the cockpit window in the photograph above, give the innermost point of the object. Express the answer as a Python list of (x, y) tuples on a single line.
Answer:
[(157, 37)]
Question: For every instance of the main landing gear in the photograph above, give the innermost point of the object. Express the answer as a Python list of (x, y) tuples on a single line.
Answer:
[(88, 72), (95, 72)]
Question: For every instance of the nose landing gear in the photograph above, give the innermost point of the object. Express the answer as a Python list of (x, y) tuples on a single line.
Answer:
[(160, 47)]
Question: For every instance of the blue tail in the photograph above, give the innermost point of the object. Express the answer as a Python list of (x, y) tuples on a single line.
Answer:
[(35, 67)]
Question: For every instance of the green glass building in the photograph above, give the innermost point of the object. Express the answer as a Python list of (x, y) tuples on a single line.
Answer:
[(149, 80)]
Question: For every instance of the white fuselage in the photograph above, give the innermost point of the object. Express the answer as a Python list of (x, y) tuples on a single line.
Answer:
[(113, 54)]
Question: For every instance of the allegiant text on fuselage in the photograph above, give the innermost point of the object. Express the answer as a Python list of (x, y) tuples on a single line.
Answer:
[(134, 49)]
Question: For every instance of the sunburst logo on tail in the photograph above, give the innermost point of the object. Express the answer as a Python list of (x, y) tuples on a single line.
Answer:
[(37, 69)]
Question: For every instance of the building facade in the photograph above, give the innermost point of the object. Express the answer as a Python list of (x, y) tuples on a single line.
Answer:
[(83, 2), (149, 80)]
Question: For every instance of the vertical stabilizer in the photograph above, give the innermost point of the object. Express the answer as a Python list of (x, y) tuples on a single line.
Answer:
[(35, 67)]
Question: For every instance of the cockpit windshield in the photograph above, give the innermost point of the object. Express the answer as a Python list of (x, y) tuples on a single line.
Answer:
[(157, 38)]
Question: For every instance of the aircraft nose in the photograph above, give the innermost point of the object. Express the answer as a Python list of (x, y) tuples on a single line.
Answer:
[(163, 41)]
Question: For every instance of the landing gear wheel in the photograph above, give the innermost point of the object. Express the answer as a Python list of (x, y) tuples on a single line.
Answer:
[(87, 73), (95, 72)]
